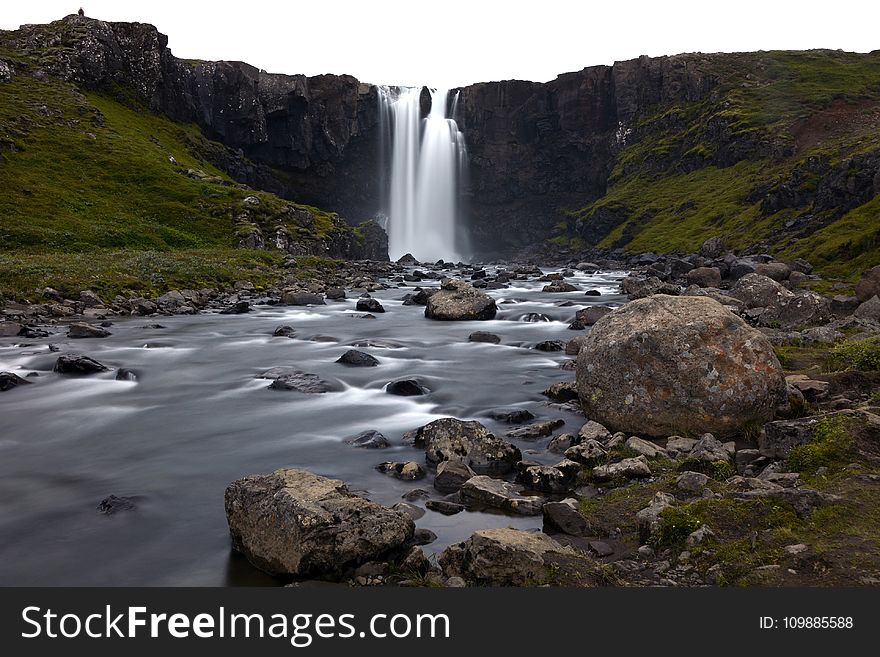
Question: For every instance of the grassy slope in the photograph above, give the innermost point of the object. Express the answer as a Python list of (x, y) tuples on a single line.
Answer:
[(92, 199), (764, 97)]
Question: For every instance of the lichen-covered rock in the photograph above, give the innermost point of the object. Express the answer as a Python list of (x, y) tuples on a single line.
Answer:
[(663, 364), (294, 522), (459, 301), (450, 439), (757, 291), (483, 491)]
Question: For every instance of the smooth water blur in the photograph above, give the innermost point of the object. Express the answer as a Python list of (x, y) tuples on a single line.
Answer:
[(196, 419)]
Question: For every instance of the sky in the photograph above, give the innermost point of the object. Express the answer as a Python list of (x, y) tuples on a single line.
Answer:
[(457, 42)]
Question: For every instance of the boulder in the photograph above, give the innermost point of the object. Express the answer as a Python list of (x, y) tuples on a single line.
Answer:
[(294, 298), (644, 447), (869, 284), (290, 378), (83, 330), (778, 271), (10, 329), (237, 308), (704, 277), (406, 388), (451, 475), (284, 332), (797, 310), (356, 358), (458, 301), (559, 286), (573, 346), (445, 507), (565, 517), (8, 381), (709, 450), (369, 306), (713, 248), (503, 557), (562, 391), (588, 316), (537, 430), (636, 468), (511, 415), (74, 365), (691, 482), (639, 288), (870, 309), (553, 479), (449, 439), (405, 471), (294, 522), (662, 364), (757, 291), (648, 519), (483, 491), (588, 453), (591, 430), (550, 345), (369, 439)]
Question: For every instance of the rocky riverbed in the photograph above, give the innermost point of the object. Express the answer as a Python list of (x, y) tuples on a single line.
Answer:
[(412, 424)]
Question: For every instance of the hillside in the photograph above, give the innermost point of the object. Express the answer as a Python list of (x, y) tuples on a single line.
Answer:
[(101, 192), (783, 155)]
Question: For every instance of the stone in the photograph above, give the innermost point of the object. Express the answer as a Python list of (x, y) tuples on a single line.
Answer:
[(83, 330), (502, 557), (634, 468), (778, 271), (284, 332), (369, 306), (455, 583), (870, 309), (535, 431), (678, 445), (423, 536), (125, 374), (644, 447), (591, 430), (639, 288), (413, 511), (406, 470), (74, 365), (811, 389), (458, 301), (691, 482), (335, 293), (289, 378), (294, 298), (294, 522), (511, 415), (355, 358), (869, 284), (369, 439), (10, 329), (801, 309), (703, 534), (445, 507), (563, 391), (757, 291), (843, 306), (588, 316), (112, 504), (565, 517), (8, 381), (589, 267), (704, 277), (713, 248), (237, 308), (550, 345), (600, 549), (451, 475), (484, 336), (450, 439), (778, 438), (663, 363), (559, 286), (709, 450), (587, 452), (414, 561), (559, 444), (573, 346), (483, 491), (406, 388), (648, 519)]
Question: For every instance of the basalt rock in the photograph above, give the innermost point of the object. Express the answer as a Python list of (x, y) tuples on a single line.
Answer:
[(450, 439)]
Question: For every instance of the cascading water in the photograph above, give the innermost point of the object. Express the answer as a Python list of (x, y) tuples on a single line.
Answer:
[(427, 162)]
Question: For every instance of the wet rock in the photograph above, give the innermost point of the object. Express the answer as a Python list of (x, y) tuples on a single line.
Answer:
[(413, 511), (565, 517), (535, 317), (369, 306), (406, 388), (335, 293), (74, 365), (356, 358), (445, 507), (289, 378), (691, 482), (416, 494), (558, 478), (511, 415), (588, 453), (125, 374), (484, 336), (648, 519), (704, 277), (406, 471), (537, 430), (8, 381), (284, 332), (83, 330), (502, 557), (449, 439), (237, 308), (369, 439), (451, 476), (458, 301), (483, 491), (293, 298), (293, 522), (113, 504), (407, 260), (559, 286), (588, 316), (550, 345), (636, 468), (10, 329), (662, 363), (562, 391), (423, 536)]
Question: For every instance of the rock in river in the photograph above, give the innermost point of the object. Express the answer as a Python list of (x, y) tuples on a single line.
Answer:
[(457, 300), (8, 381), (357, 358), (294, 522), (83, 330), (664, 363), (74, 365), (369, 306), (290, 378), (369, 439), (449, 439), (406, 388), (482, 491)]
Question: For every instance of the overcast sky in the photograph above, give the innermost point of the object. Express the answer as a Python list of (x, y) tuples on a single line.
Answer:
[(456, 42)]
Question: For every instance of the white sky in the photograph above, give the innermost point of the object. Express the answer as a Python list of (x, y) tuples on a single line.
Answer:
[(456, 42)]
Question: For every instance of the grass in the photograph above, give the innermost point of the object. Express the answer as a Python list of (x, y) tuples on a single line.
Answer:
[(830, 448), (862, 355)]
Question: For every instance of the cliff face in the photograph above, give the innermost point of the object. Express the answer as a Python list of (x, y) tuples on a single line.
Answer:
[(765, 149)]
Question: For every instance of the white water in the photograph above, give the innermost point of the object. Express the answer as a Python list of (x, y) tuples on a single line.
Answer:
[(427, 160)]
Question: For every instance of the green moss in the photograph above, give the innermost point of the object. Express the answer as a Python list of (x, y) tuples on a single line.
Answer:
[(863, 355), (676, 524), (829, 448)]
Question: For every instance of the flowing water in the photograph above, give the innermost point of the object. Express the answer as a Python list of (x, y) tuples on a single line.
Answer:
[(196, 419), (427, 160)]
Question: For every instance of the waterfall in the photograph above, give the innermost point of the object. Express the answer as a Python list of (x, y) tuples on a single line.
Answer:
[(427, 162)]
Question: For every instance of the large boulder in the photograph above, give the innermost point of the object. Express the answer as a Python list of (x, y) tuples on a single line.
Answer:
[(796, 311), (450, 439), (704, 277), (294, 522), (482, 491), (458, 301), (757, 291), (503, 557), (869, 285), (665, 364)]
